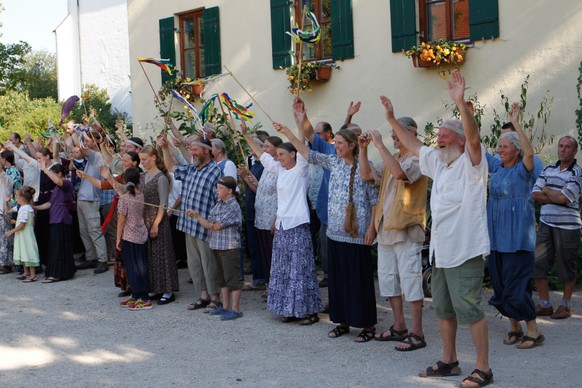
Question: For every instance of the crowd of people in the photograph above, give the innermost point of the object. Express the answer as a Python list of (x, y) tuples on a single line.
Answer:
[(151, 209)]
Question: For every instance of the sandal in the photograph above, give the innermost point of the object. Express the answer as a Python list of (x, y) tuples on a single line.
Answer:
[(443, 369), (288, 319), (395, 335), (366, 335), (213, 305), (199, 304), (309, 320), (533, 342), (485, 378), (29, 280), (22, 277), (338, 331), (512, 337), (50, 280), (412, 345)]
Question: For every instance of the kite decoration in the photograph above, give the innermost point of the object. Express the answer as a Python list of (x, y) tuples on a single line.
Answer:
[(163, 64), (241, 112), (207, 110), (311, 35), (68, 106)]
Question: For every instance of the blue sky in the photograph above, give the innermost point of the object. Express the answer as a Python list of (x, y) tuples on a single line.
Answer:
[(32, 21)]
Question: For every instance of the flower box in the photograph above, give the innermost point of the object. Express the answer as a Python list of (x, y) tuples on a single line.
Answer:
[(437, 53), (323, 73), (197, 89)]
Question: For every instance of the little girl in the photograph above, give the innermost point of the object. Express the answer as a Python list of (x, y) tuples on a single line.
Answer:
[(25, 247), (132, 235), (224, 223)]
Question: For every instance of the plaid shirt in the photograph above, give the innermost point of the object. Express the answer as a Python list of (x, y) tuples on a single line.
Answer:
[(229, 216), (198, 193)]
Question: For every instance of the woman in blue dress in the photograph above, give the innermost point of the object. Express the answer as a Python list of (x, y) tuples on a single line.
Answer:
[(511, 222)]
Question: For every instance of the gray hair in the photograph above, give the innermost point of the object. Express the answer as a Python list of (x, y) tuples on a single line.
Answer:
[(513, 139), (219, 144)]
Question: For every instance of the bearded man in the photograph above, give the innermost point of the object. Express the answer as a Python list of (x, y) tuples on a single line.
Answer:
[(459, 238)]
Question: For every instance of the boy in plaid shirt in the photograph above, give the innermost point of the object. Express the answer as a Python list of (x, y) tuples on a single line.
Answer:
[(225, 224)]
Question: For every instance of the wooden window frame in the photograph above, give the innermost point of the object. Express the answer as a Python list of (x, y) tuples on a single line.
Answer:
[(317, 11), (198, 16), (423, 20)]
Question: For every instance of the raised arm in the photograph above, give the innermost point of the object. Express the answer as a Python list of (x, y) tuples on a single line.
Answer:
[(528, 152), (252, 144), (162, 142), (53, 177), (19, 152), (389, 161), (352, 110), (409, 141), (298, 144), (300, 115), (457, 92)]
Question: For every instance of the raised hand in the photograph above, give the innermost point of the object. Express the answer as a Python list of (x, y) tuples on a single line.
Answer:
[(243, 128), (354, 108), (457, 86), (364, 140), (281, 128), (299, 110), (375, 136), (514, 113), (387, 107)]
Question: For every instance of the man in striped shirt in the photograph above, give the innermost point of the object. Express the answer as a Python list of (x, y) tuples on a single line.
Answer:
[(558, 238)]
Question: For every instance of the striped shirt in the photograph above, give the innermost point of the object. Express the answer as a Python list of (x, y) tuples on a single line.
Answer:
[(569, 182), (199, 194), (229, 216)]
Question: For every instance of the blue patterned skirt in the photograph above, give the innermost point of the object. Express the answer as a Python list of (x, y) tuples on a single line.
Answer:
[(293, 286)]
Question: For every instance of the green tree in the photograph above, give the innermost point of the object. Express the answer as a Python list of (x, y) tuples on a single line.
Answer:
[(39, 77), (20, 114), (12, 59)]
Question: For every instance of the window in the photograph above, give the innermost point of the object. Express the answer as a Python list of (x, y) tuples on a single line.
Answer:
[(459, 20), (332, 15), (322, 11), (446, 19), (199, 43)]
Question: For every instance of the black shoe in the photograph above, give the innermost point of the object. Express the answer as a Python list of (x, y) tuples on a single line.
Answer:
[(164, 300), (190, 281), (323, 283), (101, 267), (87, 265), (155, 297)]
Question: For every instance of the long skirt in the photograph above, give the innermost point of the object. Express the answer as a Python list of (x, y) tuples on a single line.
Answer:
[(293, 286), (510, 276), (61, 264), (6, 243), (352, 298)]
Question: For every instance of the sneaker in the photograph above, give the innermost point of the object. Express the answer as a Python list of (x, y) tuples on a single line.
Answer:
[(562, 312), (544, 311), (230, 315), (126, 303), (141, 305), (218, 311), (101, 267)]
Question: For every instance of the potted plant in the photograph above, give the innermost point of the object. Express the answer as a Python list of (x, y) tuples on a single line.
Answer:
[(438, 52), (311, 70)]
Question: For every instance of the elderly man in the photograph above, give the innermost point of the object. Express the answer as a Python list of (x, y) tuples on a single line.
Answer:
[(400, 221), (198, 193), (558, 237), (459, 232)]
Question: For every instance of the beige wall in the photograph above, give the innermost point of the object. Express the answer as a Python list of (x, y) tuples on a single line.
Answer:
[(537, 37)]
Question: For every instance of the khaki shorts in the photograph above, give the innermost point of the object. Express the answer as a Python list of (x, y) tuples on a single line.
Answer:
[(456, 292), (229, 267)]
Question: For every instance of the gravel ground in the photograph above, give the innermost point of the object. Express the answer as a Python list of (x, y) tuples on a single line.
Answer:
[(73, 333)]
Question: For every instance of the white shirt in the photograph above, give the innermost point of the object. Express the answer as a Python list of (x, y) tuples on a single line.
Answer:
[(292, 208), (458, 206), (31, 172)]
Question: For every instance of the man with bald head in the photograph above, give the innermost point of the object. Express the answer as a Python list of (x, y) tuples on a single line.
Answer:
[(459, 237)]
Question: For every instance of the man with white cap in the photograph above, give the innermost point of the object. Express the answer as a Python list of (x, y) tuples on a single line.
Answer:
[(459, 238)]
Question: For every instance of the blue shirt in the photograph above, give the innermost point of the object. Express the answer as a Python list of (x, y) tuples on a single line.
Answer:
[(321, 146), (510, 208), (199, 194)]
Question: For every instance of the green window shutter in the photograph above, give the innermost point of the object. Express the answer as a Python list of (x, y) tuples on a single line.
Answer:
[(167, 45), (342, 29), (212, 60), (403, 24), (484, 19), (280, 41)]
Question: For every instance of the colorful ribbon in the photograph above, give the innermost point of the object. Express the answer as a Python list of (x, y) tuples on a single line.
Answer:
[(241, 112), (163, 64)]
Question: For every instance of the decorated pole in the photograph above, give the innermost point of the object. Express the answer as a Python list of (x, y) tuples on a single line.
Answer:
[(151, 86), (232, 131), (246, 91), (300, 53)]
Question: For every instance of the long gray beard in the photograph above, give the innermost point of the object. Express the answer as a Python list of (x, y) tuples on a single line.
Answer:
[(449, 155)]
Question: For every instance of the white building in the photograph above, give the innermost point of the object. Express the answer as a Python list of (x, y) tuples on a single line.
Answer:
[(93, 48)]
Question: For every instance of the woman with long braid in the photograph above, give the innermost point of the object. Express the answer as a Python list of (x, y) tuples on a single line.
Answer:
[(350, 233)]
